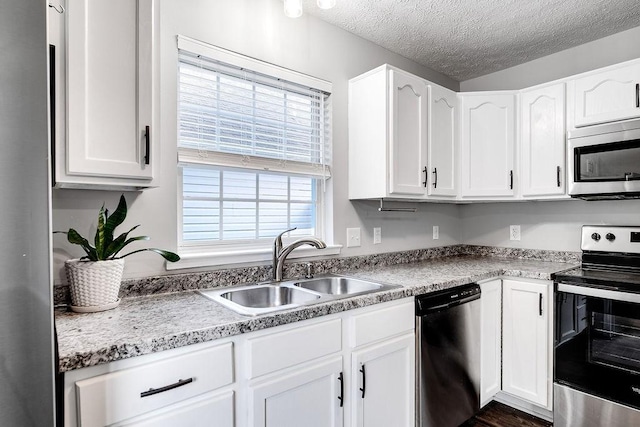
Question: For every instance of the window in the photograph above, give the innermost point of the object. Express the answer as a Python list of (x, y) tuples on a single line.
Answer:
[(253, 150)]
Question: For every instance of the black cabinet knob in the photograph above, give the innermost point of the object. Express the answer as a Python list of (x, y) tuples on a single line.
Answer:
[(595, 236), (610, 237)]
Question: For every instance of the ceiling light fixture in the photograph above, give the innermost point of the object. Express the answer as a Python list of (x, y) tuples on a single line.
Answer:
[(293, 8), (326, 4)]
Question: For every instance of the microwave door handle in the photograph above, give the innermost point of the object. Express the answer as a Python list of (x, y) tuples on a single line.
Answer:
[(599, 293)]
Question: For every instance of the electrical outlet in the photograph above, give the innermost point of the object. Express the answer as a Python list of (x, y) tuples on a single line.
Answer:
[(514, 232), (436, 232), (377, 235), (353, 237)]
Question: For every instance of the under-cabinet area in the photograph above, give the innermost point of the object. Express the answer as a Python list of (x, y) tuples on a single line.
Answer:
[(353, 368)]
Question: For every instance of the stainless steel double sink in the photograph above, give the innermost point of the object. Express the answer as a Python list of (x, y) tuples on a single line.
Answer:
[(252, 300)]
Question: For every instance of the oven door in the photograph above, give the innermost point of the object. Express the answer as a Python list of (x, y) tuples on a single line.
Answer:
[(605, 164), (597, 342)]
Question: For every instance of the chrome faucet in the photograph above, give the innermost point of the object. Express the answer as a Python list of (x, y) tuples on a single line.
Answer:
[(280, 253)]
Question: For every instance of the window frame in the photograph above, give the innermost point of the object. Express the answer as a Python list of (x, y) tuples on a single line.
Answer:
[(200, 254)]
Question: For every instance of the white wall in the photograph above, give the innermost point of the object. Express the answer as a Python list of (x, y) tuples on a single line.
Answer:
[(544, 225), (609, 50), (308, 45)]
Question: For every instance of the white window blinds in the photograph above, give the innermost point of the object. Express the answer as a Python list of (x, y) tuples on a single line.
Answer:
[(230, 116), (253, 148)]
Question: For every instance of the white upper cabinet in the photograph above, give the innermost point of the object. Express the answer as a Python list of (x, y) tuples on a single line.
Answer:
[(388, 115), (443, 142), (606, 96), (111, 74), (488, 141), (408, 133), (542, 139)]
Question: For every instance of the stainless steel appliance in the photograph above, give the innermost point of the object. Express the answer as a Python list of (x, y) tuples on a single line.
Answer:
[(448, 356), (604, 161), (26, 315), (597, 332)]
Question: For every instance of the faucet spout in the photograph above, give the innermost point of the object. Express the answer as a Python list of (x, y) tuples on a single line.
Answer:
[(280, 253)]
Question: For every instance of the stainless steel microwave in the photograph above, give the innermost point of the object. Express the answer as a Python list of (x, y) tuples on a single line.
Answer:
[(604, 161)]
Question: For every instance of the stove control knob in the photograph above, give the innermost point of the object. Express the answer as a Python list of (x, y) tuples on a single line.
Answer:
[(610, 237), (596, 237)]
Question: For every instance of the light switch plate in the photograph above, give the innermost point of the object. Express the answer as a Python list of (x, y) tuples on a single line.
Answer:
[(377, 235), (436, 232), (353, 237)]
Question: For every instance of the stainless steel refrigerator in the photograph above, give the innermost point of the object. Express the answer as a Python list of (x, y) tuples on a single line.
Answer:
[(26, 315)]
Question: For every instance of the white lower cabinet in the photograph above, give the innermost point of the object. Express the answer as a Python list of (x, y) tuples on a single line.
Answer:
[(491, 339), (516, 351), (123, 392), (302, 374), (383, 383), (197, 412), (526, 370), (310, 396)]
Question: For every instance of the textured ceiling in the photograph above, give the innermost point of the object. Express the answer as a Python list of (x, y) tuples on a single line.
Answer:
[(468, 38)]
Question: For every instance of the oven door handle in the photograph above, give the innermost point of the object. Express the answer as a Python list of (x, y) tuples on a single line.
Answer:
[(599, 293)]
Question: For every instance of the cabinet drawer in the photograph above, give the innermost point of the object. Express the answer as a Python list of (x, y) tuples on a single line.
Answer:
[(196, 412), (109, 398), (383, 323), (284, 349)]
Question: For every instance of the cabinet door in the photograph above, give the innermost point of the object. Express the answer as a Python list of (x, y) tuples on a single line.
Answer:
[(310, 396), (204, 411), (443, 141), (490, 338), (488, 139), (408, 134), (383, 384), (109, 88), (607, 96), (526, 340), (543, 141)]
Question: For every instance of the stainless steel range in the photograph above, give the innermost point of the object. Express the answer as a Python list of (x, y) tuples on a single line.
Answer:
[(597, 332)]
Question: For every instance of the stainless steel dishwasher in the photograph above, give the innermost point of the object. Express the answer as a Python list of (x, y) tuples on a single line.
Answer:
[(448, 356)]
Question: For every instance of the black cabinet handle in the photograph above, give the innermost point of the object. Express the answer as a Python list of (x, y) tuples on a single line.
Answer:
[(637, 95), (153, 391), (558, 172), (511, 179), (435, 177), (540, 304), (341, 379), (425, 171), (147, 145), (364, 380)]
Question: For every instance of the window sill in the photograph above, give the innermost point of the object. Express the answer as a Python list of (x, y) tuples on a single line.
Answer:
[(252, 256)]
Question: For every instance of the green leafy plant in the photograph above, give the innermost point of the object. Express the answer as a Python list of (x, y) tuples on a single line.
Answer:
[(105, 247)]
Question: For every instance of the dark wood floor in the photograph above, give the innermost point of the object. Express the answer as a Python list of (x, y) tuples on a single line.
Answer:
[(498, 415)]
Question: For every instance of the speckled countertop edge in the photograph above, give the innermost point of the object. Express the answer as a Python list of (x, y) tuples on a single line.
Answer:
[(148, 324)]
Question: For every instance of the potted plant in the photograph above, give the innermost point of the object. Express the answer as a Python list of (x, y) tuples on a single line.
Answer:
[(94, 279)]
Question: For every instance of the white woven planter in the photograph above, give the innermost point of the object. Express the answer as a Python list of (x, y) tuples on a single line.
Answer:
[(94, 284)]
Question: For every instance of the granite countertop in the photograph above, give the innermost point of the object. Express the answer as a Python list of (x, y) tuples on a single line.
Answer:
[(147, 324)]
